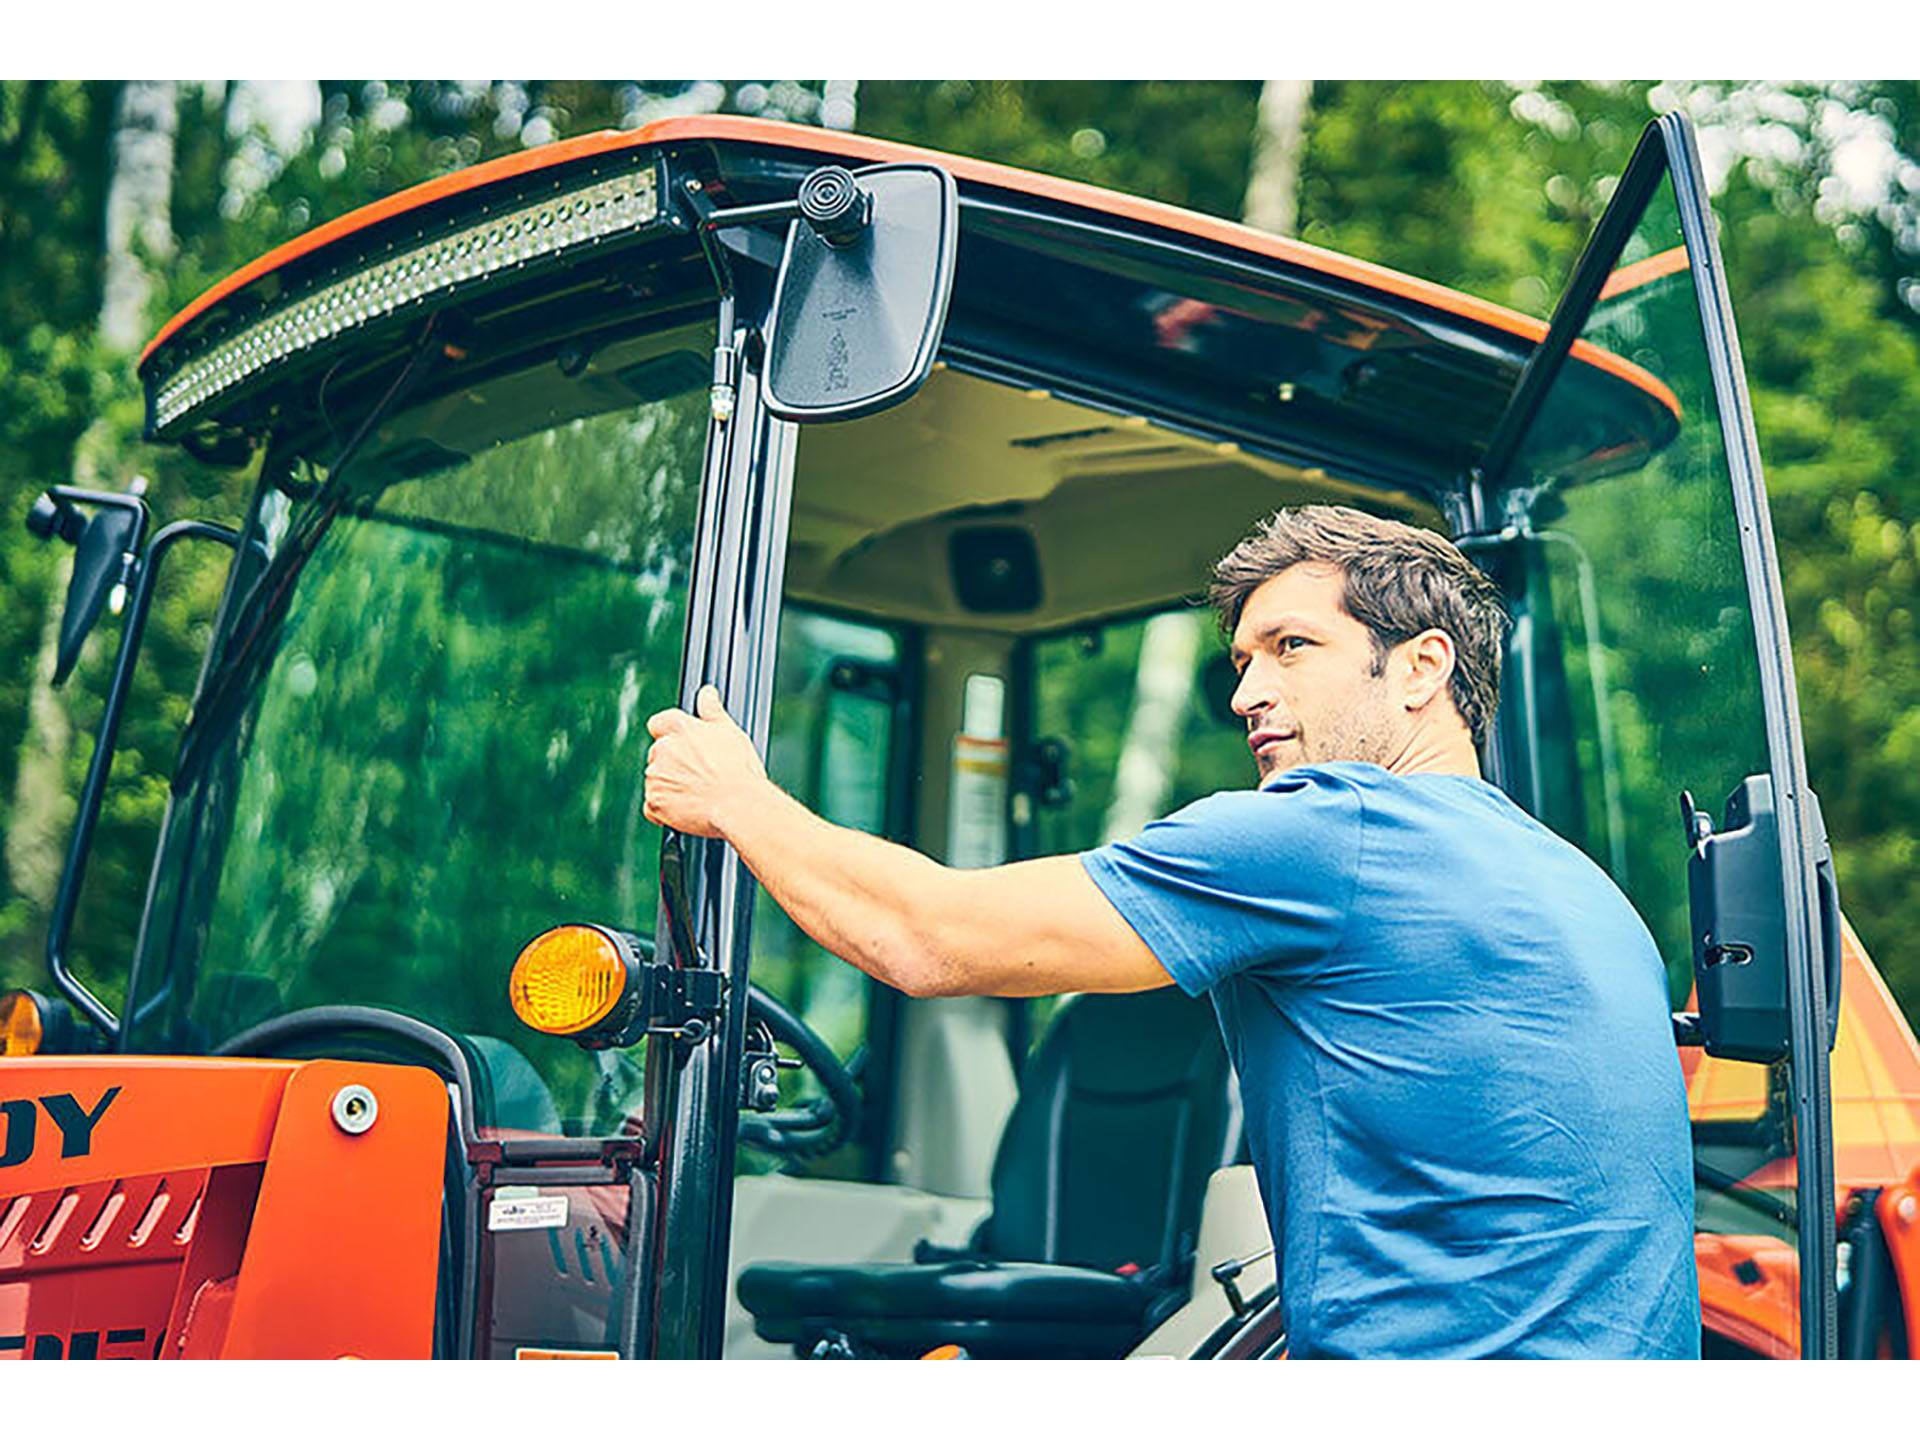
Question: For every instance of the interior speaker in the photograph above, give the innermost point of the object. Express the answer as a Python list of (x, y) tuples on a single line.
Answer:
[(996, 569)]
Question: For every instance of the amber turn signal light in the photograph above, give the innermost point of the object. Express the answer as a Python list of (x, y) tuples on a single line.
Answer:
[(22, 1028), (570, 979)]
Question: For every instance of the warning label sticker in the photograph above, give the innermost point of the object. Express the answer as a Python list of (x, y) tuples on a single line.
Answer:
[(526, 1212)]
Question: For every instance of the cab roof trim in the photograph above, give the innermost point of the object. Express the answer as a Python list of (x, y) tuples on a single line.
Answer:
[(838, 145)]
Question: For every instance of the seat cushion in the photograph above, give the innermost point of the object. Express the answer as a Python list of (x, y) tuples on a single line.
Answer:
[(994, 1309)]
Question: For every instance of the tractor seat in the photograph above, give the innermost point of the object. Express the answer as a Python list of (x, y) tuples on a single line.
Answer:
[(1125, 1111)]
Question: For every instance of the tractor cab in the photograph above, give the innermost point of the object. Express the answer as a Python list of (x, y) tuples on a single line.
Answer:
[(924, 463)]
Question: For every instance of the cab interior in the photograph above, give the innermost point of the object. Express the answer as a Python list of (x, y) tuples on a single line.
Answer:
[(992, 647)]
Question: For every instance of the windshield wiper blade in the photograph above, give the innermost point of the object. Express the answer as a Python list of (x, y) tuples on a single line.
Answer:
[(1737, 1189), (267, 601)]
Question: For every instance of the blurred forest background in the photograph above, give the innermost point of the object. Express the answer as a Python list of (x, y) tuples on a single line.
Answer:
[(121, 201)]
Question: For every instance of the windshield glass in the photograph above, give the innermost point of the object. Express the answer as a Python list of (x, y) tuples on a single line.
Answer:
[(434, 750)]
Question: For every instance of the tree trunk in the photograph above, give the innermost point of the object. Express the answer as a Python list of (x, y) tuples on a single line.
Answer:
[(139, 208), (1170, 649), (1279, 137), (839, 102), (1162, 690), (138, 233)]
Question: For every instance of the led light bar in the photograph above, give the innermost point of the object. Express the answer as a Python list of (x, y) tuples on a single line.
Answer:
[(487, 247)]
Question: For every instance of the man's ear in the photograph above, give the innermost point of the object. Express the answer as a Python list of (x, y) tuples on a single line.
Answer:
[(1429, 658)]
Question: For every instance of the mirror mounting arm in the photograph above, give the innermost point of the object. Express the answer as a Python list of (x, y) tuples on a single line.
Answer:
[(53, 514), (831, 200), (774, 212), (60, 924), (708, 222)]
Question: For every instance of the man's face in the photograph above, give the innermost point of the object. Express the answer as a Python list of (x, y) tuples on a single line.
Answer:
[(1307, 689)]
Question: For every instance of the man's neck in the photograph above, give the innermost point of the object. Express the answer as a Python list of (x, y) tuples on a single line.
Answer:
[(1427, 753)]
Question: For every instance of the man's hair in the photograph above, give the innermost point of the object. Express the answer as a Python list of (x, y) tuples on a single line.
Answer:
[(1400, 581)]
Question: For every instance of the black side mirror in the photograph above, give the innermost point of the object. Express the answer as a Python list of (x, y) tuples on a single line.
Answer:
[(102, 561), (108, 555), (106, 551), (861, 302)]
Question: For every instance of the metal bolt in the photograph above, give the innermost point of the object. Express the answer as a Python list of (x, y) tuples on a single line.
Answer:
[(355, 1109), (1909, 1209)]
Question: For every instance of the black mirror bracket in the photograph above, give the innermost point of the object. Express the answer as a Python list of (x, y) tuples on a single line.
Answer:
[(1738, 907), (140, 576), (53, 515), (708, 221), (1739, 926)]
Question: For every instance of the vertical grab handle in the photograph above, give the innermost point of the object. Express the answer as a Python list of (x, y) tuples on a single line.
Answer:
[(1830, 923), (675, 900), (1830, 920)]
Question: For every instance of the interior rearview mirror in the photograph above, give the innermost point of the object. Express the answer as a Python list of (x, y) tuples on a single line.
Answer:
[(861, 300)]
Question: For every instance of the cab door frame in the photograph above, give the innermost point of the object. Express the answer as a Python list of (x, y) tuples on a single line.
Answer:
[(693, 1087), (1668, 148)]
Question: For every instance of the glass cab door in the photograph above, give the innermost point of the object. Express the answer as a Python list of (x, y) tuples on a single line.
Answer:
[(1650, 657)]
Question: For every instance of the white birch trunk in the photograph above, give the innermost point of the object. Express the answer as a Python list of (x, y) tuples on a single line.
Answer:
[(839, 104), (1279, 137), (1169, 660), (139, 207), (1162, 690)]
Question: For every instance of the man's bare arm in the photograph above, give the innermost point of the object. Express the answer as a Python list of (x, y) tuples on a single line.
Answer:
[(1038, 927)]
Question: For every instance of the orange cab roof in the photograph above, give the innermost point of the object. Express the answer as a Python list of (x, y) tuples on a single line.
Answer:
[(840, 145)]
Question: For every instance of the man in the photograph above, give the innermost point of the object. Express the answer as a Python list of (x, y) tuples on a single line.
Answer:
[(1451, 1029)]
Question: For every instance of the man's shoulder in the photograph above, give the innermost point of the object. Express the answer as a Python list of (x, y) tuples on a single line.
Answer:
[(1308, 818), (1299, 795)]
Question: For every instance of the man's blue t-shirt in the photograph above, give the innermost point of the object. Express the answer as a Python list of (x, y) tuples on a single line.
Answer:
[(1451, 1030)]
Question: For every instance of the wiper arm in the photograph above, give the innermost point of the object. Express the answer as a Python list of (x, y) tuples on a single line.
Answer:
[(1736, 1188), (267, 601)]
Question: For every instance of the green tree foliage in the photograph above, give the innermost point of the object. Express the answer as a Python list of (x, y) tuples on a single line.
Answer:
[(52, 384), (1187, 142), (1835, 384)]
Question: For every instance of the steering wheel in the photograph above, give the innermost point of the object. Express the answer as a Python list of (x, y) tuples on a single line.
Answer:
[(822, 1123), (414, 1038), (819, 1125)]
